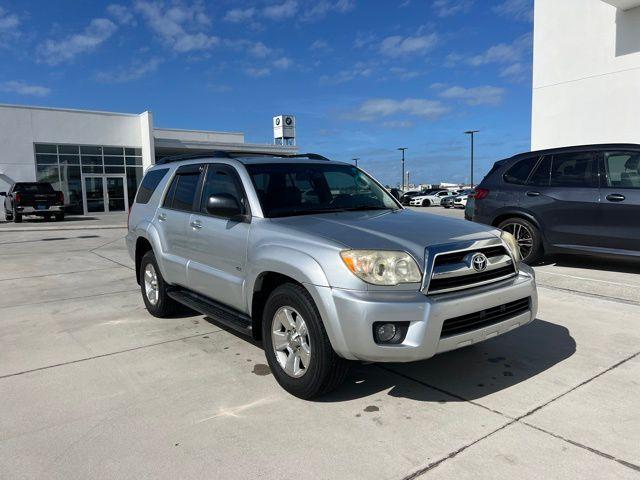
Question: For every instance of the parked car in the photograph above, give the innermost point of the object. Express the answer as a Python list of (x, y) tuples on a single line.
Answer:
[(33, 198), (431, 198), (317, 260), (468, 209), (460, 200), (407, 196), (396, 192), (447, 202), (583, 199)]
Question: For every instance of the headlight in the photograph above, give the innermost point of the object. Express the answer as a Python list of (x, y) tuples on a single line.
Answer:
[(512, 243), (382, 267)]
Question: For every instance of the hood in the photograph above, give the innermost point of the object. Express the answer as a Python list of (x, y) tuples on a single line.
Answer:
[(400, 230)]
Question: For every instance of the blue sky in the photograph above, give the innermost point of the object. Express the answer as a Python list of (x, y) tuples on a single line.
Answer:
[(363, 77)]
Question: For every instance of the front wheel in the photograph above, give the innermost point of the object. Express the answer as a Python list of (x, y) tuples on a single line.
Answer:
[(426, 203), (528, 237), (296, 344), (154, 288)]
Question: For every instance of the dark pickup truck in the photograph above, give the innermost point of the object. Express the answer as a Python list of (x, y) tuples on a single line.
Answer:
[(33, 198)]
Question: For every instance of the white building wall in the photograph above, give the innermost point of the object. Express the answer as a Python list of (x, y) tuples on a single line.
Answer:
[(586, 73), (21, 127)]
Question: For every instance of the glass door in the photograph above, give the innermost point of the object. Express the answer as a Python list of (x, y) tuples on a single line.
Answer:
[(94, 195), (116, 195)]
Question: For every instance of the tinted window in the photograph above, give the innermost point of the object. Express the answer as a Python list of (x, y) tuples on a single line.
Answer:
[(149, 184), (221, 180), (573, 170), (520, 171), (540, 176), (182, 192), (33, 187), (623, 169)]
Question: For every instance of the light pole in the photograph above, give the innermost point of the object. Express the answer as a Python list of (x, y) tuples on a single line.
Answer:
[(356, 160), (408, 182), (472, 133), (402, 149)]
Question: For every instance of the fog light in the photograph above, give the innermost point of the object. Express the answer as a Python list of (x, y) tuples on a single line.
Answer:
[(386, 332)]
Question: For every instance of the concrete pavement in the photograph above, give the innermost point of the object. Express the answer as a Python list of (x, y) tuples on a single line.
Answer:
[(94, 387)]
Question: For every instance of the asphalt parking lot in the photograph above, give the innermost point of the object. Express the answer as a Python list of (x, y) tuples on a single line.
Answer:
[(94, 387)]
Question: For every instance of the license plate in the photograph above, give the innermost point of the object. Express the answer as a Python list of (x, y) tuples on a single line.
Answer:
[(41, 207)]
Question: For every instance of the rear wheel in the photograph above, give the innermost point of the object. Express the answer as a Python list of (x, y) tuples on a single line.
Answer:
[(426, 203), (296, 344), (528, 237), (8, 216), (47, 218), (154, 288), (17, 217)]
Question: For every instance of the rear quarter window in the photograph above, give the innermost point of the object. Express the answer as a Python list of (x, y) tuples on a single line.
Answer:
[(149, 184), (519, 172)]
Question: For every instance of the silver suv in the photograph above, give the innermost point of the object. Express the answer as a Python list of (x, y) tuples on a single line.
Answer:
[(317, 260)]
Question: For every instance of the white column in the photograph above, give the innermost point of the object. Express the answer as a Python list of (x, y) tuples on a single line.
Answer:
[(147, 140)]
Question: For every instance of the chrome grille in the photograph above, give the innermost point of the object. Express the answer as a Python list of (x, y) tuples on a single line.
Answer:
[(450, 267)]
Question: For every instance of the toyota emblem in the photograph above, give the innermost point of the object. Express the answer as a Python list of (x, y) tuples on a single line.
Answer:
[(479, 262)]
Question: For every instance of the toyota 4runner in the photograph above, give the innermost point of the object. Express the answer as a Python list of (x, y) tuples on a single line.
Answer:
[(317, 260)]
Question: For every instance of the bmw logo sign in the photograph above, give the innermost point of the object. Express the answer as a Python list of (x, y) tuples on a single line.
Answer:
[(288, 120), (278, 121)]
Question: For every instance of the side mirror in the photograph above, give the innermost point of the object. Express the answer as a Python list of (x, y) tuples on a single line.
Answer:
[(223, 205)]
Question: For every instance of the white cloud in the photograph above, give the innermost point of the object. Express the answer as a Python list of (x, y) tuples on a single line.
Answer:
[(9, 27), (95, 34), (238, 15), (448, 8), (384, 107), (179, 25), (320, 46), (121, 14), (257, 72), (321, 8), (259, 50), (397, 46), (281, 11), (359, 70), (503, 52), (398, 123), (484, 95), (135, 71), (516, 9), (22, 88), (283, 63), (517, 72)]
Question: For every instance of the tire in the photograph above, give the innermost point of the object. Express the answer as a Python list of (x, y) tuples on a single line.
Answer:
[(163, 306), (325, 370), (47, 218), (17, 217), (528, 237), (59, 217), (447, 206), (426, 203), (8, 216)]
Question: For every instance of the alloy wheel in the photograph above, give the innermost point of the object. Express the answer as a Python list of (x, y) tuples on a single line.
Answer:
[(290, 340), (523, 235), (151, 284)]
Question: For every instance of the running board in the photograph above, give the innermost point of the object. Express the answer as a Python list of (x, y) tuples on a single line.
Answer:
[(221, 313)]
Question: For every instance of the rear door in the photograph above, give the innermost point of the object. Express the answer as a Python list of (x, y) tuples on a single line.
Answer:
[(173, 219), (620, 199), (512, 192), (218, 245), (563, 193)]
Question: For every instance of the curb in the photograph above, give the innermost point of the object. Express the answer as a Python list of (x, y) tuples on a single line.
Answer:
[(54, 229)]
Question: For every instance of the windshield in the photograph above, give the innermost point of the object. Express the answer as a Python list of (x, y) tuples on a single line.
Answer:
[(33, 188), (303, 189)]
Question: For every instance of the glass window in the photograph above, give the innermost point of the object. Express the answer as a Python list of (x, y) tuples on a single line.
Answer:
[(519, 173), (46, 159), (69, 160), (109, 169), (71, 186), (49, 174), (112, 150), (114, 160), (91, 160), (133, 151), (92, 169), (221, 180), (149, 184), (45, 148), (573, 170), (623, 169), (134, 160), (91, 150), (185, 191), (134, 177), (68, 149), (540, 177), (301, 189), (35, 187)]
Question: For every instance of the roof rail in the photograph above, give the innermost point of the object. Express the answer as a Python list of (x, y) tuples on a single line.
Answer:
[(226, 154)]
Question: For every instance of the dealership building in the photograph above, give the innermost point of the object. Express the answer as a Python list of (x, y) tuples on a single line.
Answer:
[(97, 159), (586, 72)]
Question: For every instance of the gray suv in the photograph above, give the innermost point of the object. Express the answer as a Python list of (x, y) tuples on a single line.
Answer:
[(316, 259), (583, 199)]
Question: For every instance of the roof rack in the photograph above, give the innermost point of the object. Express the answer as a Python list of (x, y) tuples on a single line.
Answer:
[(226, 154)]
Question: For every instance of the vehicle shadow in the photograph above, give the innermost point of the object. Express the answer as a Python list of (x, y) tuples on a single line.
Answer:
[(466, 374), (604, 263)]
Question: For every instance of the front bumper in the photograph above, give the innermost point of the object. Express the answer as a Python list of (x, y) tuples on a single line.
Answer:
[(40, 211), (350, 315)]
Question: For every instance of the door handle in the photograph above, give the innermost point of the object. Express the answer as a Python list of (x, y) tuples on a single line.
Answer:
[(533, 194), (616, 197), (162, 217), (196, 224)]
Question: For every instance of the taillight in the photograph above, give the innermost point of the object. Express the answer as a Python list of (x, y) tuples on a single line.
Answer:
[(481, 193), (61, 198), (18, 198)]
